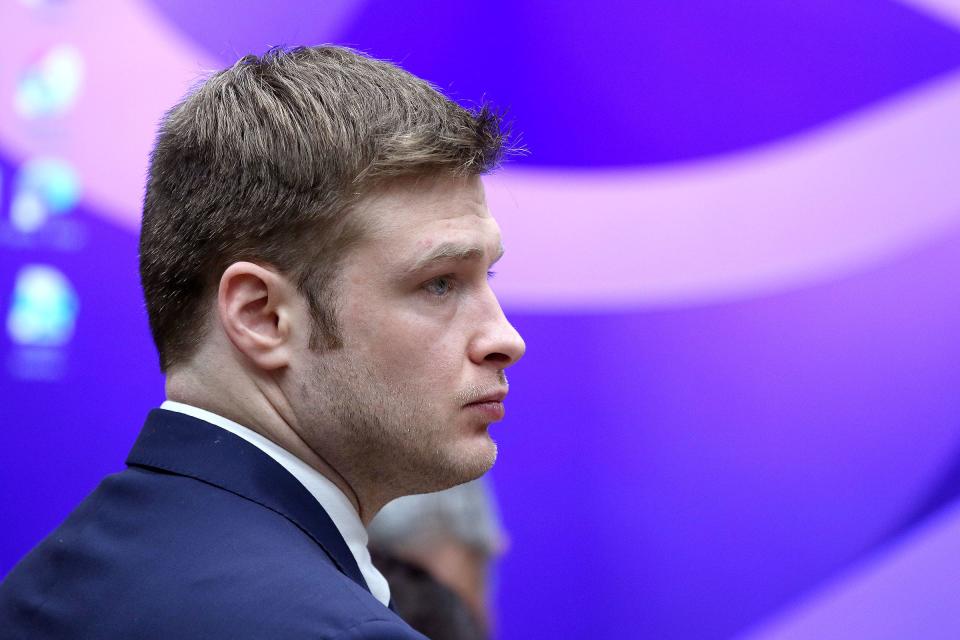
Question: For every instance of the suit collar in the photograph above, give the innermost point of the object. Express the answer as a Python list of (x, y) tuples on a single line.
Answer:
[(187, 446)]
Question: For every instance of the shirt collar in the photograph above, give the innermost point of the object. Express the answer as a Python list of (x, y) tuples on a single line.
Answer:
[(330, 497)]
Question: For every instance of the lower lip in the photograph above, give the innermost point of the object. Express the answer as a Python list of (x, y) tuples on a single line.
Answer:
[(491, 410)]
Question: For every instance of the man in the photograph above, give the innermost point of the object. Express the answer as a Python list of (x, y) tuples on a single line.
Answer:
[(314, 255)]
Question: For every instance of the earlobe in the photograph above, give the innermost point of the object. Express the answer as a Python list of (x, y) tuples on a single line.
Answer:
[(253, 309)]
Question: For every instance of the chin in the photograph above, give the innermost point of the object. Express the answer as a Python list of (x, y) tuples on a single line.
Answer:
[(469, 461), (482, 455)]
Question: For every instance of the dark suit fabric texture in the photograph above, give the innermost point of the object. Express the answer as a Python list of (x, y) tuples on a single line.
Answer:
[(202, 536)]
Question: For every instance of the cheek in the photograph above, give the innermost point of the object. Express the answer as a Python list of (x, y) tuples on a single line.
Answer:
[(411, 354)]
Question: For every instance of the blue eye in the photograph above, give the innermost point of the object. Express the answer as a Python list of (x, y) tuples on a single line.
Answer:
[(439, 286), (491, 275)]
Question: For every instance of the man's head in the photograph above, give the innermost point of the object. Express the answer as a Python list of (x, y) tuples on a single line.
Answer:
[(263, 162), (316, 232)]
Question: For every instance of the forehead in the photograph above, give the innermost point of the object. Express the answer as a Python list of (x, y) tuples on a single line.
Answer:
[(412, 214)]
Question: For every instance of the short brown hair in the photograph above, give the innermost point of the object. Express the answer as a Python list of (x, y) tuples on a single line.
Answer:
[(262, 162)]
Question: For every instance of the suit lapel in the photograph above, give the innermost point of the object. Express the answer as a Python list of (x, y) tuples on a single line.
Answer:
[(187, 446)]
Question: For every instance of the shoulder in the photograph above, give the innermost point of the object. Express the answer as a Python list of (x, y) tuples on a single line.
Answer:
[(220, 553), (379, 630), (146, 544)]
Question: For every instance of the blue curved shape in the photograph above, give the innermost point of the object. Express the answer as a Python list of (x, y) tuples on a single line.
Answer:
[(624, 84), (695, 470), (228, 30)]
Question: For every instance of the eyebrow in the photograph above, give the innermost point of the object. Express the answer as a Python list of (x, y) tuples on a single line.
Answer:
[(452, 251)]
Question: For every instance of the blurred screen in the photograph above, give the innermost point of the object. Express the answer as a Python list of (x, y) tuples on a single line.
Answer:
[(733, 249)]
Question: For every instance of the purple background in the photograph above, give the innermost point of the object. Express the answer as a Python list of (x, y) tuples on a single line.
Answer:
[(664, 473)]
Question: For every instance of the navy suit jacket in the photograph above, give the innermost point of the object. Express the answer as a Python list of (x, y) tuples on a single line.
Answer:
[(202, 536)]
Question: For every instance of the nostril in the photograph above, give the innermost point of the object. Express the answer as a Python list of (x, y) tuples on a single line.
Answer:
[(498, 358)]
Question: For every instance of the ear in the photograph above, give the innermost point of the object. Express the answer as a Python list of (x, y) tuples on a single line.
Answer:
[(255, 307)]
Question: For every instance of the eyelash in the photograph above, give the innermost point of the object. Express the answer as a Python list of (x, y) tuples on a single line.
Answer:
[(451, 280)]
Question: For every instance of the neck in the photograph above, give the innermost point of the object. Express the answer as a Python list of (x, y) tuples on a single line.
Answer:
[(249, 406)]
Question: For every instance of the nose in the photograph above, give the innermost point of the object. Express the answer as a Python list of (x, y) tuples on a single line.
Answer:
[(497, 342)]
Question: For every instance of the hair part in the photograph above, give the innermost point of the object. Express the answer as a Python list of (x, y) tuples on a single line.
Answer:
[(264, 160)]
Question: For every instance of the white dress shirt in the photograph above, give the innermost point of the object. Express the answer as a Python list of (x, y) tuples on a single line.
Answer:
[(333, 501)]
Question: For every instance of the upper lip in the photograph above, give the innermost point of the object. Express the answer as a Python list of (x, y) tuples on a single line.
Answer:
[(495, 395)]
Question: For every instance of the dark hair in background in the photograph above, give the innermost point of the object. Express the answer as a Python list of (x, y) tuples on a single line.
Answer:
[(263, 161), (424, 603)]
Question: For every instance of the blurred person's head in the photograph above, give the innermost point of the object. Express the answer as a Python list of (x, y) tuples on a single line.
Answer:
[(454, 535), (314, 257), (426, 604)]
